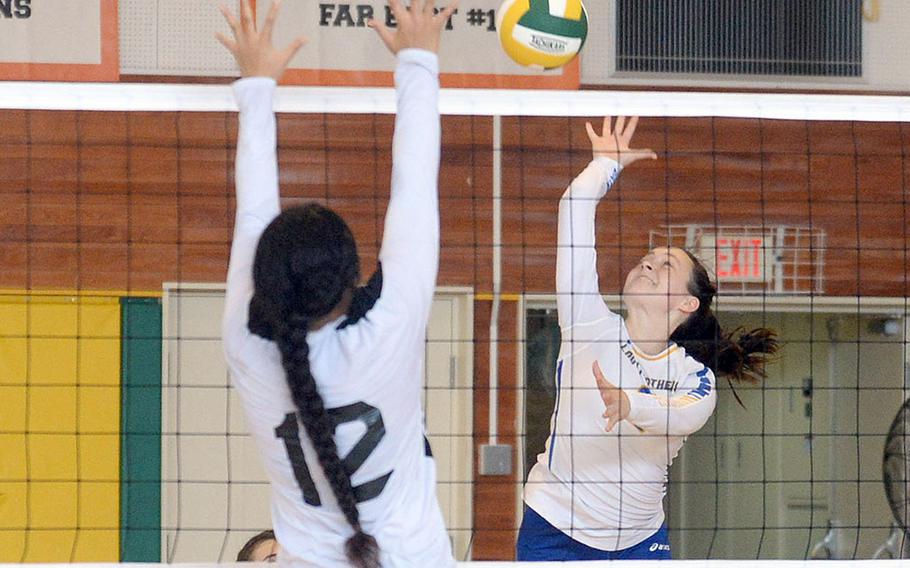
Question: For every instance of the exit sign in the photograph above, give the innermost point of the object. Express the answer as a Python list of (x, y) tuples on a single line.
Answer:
[(738, 258)]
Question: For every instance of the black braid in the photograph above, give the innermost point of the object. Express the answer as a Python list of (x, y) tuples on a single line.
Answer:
[(292, 342)]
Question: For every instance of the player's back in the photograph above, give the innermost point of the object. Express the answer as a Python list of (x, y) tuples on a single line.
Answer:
[(369, 375)]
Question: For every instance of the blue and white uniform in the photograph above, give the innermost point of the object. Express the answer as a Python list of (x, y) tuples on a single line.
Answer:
[(369, 372), (605, 490)]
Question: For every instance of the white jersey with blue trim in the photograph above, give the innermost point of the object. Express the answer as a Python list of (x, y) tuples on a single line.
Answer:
[(369, 372), (603, 489)]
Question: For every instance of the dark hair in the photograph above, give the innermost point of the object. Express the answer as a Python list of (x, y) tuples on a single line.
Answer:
[(742, 358), (305, 262), (246, 553)]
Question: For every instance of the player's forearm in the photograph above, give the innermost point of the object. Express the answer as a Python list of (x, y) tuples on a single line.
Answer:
[(676, 416), (256, 171)]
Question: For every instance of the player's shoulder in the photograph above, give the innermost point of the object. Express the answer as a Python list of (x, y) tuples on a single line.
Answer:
[(688, 366)]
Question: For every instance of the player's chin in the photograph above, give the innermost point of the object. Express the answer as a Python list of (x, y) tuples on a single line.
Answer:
[(638, 288)]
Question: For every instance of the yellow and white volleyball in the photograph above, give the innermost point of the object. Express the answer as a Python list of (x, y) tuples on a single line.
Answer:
[(542, 33)]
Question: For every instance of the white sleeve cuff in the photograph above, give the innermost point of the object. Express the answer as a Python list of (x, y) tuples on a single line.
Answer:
[(421, 57), (249, 89), (610, 167)]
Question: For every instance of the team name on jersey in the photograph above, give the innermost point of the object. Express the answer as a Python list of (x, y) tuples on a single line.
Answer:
[(652, 384), (661, 384)]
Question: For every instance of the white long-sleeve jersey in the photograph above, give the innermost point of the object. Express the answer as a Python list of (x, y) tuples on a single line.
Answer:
[(603, 489), (369, 372)]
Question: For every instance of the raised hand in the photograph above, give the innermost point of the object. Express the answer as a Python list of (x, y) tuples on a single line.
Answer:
[(252, 48), (614, 142), (616, 402), (418, 26)]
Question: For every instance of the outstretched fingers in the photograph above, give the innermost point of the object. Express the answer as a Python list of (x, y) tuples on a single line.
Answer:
[(227, 42), (398, 9), (269, 23), (291, 50), (231, 20), (385, 34), (619, 127), (592, 135), (247, 21), (630, 128), (447, 12)]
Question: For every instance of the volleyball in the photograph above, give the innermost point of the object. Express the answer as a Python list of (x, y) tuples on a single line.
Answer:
[(542, 33)]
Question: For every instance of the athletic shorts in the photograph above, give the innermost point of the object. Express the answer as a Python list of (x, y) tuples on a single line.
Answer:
[(538, 540)]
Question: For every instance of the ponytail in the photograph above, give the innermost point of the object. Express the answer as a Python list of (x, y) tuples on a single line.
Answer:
[(305, 261), (738, 355)]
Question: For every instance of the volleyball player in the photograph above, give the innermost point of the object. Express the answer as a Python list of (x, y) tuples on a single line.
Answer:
[(629, 390), (330, 374)]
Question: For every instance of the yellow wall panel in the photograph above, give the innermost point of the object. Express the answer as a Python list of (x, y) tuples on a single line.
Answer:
[(98, 319), (12, 415), (97, 356), (52, 361), (103, 514), (53, 504), (50, 545), (97, 546), (13, 360), (12, 314), (50, 316), (67, 374), (52, 410), (12, 544), (99, 457), (12, 507), (99, 410), (13, 464), (52, 457)]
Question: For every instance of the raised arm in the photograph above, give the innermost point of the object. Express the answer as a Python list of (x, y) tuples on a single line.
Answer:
[(410, 245), (577, 288), (256, 171), (578, 296)]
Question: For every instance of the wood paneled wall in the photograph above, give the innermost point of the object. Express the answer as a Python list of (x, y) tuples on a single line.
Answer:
[(127, 201), (117, 201)]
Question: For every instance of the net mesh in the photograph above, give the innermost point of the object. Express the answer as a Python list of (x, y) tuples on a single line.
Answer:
[(122, 440)]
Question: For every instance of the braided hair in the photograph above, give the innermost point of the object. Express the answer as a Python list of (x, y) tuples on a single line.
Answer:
[(306, 261), (738, 355)]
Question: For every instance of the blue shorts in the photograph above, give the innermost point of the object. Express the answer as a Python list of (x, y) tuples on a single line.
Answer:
[(539, 540)]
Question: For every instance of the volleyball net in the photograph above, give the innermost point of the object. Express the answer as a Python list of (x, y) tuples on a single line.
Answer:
[(121, 439)]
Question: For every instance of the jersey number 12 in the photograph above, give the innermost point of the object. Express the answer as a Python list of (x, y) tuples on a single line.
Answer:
[(289, 431)]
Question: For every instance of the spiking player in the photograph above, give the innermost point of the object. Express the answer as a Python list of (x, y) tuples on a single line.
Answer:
[(629, 390), (330, 374)]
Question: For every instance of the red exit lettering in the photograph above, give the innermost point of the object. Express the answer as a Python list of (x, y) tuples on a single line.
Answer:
[(740, 258)]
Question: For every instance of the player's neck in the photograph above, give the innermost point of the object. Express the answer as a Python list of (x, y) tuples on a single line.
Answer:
[(649, 331), (341, 309)]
